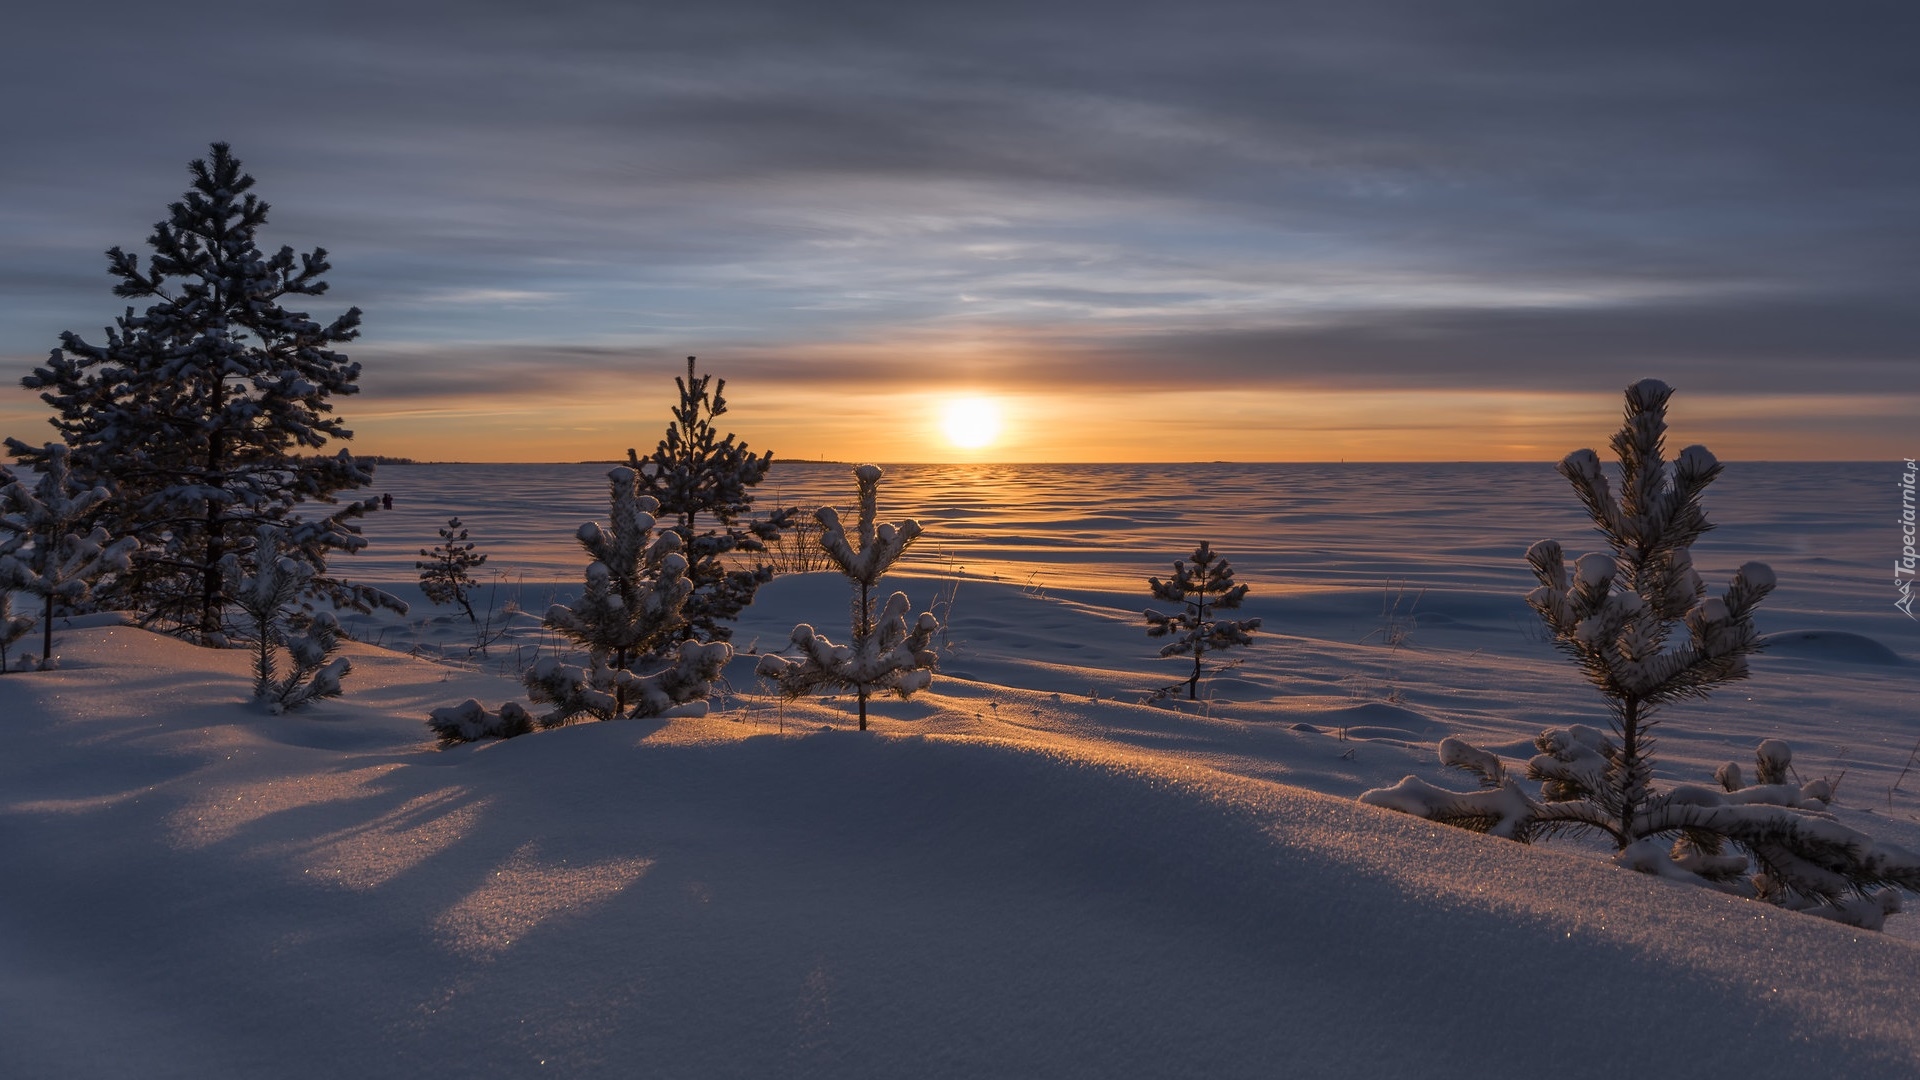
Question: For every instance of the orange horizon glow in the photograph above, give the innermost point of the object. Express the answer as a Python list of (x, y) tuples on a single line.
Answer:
[(1253, 426), (814, 421)]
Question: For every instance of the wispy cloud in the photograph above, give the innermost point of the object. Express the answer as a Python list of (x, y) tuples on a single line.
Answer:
[(1474, 196)]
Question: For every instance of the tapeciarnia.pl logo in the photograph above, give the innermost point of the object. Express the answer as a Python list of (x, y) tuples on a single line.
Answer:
[(1903, 567)]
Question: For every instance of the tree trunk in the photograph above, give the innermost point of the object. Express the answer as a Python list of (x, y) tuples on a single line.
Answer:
[(1629, 767), (210, 574), (46, 641), (1199, 646), (216, 522), (619, 688), (263, 659), (865, 633)]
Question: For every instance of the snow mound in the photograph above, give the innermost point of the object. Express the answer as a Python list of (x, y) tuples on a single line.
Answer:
[(1835, 646), (1393, 721)]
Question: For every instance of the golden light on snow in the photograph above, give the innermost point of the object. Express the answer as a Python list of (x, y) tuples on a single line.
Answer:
[(525, 892), (971, 423)]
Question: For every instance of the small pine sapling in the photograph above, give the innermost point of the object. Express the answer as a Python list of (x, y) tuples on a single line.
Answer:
[(702, 482), (1639, 623), (267, 597), (46, 555), (446, 569), (886, 652), (632, 608), (1202, 589)]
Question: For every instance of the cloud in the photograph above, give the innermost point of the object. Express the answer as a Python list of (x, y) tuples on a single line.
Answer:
[(1396, 193)]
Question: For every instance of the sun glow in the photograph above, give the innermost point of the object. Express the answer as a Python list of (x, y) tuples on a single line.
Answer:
[(971, 423)]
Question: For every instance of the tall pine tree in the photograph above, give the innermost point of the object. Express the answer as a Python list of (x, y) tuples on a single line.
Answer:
[(702, 481), (204, 413)]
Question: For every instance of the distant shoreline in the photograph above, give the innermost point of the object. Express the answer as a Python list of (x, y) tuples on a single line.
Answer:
[(382, 460)]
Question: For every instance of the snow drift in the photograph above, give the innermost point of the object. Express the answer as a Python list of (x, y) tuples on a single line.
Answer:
[(197, 889)]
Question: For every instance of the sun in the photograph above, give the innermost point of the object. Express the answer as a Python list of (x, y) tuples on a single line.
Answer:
[(971, 423)]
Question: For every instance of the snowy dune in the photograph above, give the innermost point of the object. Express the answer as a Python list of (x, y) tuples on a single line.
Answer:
[(1030, 870)]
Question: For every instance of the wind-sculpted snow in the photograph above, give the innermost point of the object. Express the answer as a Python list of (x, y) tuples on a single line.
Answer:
[(1449, 527), (198, 890), (1027, 869)]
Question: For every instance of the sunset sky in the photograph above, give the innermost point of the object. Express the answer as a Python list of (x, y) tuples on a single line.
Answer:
[(1141, 232)]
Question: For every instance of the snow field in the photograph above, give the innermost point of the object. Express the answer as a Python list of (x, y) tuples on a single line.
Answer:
[(1032, 868)]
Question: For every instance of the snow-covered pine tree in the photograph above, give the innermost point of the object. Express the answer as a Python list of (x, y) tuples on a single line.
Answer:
[(631, 608), (1638, 621), (446, 569), (885, 652), (1202, 589), (267, 597), (703, 482), (202, 413), (56, 562)]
